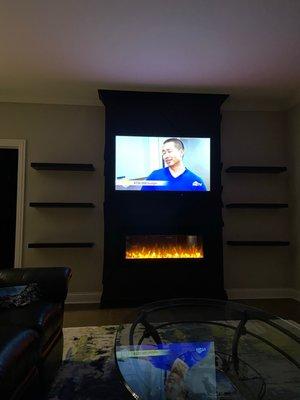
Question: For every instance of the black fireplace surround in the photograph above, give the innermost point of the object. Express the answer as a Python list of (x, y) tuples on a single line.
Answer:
[(136, 281)]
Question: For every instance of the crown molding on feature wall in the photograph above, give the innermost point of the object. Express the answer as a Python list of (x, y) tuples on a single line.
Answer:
[(52, 98), (90, 98)]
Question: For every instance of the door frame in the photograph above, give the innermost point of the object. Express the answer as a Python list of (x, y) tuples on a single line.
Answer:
[(20, 145)]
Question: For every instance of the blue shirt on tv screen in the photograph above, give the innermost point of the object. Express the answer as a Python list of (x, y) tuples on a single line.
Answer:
[(187, 181)]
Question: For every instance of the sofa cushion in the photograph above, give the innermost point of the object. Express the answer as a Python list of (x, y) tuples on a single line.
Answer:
[(46, 318), (18, 358), (18, 296), (53, 282)]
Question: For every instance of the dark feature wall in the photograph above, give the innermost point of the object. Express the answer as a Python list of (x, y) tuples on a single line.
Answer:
[(135, 282)]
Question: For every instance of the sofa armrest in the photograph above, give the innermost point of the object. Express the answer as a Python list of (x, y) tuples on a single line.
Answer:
[(52, 281)]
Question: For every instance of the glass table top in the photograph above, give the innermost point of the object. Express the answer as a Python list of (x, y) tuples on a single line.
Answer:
[(188, 349)]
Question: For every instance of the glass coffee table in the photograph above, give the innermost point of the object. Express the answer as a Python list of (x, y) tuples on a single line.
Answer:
[(188, 349)]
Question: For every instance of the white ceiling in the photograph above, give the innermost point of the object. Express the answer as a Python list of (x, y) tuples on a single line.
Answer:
[(62, 51)]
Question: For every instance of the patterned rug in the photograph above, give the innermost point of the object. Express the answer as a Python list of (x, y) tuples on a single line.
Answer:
[(88, 371)]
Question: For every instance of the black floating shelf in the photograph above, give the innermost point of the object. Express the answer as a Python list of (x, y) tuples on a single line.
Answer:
[(257, 205), (260, 170), (58, 245), (62, 167), (257, 243), (62, 205)]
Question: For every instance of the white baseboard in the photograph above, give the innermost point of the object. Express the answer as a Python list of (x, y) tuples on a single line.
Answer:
[(296, 294), (265, 293), (83, 297)]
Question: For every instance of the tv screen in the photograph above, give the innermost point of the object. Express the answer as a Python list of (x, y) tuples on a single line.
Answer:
[(147, 163)]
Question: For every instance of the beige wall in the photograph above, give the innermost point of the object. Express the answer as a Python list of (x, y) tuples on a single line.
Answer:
[(255, 138), (71, 134), (294, 147), (56, 133)]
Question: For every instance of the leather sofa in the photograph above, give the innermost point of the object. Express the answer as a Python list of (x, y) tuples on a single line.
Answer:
[(31, 338)]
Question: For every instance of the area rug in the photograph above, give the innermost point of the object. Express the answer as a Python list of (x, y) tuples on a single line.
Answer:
[(88, 371)]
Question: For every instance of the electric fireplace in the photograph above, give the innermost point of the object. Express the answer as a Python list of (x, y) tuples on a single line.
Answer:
[(162, 228), (164, 246)]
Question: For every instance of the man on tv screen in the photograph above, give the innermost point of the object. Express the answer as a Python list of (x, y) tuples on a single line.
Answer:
[(175, 176)]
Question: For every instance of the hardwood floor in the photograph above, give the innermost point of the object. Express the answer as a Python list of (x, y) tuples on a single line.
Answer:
[(284, 308), (92, 315)]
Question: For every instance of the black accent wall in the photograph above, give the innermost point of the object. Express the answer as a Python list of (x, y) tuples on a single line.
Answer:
[(133, 282)]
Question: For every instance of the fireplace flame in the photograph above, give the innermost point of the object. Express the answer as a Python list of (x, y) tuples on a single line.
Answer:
[(156, 251)]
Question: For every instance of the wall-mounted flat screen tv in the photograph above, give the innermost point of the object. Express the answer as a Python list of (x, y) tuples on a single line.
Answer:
[(148, 163)]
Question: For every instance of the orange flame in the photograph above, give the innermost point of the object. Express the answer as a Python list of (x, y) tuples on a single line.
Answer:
[(157, 251)]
